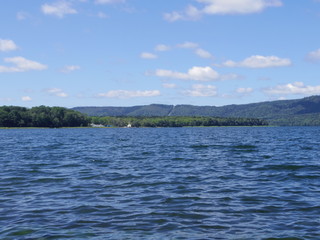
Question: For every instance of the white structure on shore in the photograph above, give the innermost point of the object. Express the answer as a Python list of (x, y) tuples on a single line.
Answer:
[(96, 125)]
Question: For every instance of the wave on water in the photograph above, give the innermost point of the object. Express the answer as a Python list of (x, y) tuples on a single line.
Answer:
[(173, 183)]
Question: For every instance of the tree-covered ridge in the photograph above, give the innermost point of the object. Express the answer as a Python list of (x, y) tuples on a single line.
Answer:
[(145, 110), (42, 116), (176, 121), (298, 112), (55, 117)]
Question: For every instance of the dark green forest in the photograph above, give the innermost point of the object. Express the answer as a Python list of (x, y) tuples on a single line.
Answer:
[(56, 117), (296, 112), (42, 116), (176, 121)]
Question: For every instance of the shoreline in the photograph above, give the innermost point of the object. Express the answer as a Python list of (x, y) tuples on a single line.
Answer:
[(268, 126)]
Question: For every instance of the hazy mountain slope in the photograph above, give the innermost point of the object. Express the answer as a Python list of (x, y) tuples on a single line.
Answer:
[(304, 111), (152, 110), (106, 111)]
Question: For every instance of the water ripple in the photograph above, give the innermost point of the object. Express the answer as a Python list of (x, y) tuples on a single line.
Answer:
[(179, 183)]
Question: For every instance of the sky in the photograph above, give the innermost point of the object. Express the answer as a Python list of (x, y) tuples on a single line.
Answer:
[(137, 52)]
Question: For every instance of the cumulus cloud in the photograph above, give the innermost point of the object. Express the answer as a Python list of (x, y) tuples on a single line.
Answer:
[(294, 88), (69, 68), (237, 7), (203, 53), (188, 45), (314, 55), (146, 55), (7, 45), (56, 92), (171, 74), (199, 90), (26, 98), (58, 9), (22, 65), (259, 62), (203, 73), (194, 73), (162, 48), (129, 94), (221, 7), (108, 1), (200, 52), (190, 13), (174, 16)]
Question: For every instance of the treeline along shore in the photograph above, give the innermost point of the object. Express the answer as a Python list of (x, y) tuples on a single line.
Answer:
[(42, 116), (176, 121), (56, 117)]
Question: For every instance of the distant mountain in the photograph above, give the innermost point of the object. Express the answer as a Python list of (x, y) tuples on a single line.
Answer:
[(152, 110), (298, 112)]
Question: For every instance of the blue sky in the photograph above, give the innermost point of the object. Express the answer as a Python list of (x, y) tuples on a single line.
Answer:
[(134, 52)]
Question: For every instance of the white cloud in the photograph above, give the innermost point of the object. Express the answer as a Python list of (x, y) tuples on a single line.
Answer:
[(190, 13), (203, 74), (314, 55), (26, 98), (188, 45), (203, 53), (22, 65), (169, 85), (58, 9), (259, 62), (146, 55), (294, 88), (7, 45), (194, 73), (237, 7), (56, 92), (70, 68), (162, 48), (221, 7), (129, 94), (109, 1), (172, 17), (193, 13), (199, 90), (244, 90), (171, 74)]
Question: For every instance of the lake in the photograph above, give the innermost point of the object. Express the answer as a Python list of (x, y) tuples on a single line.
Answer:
[(160, 183)]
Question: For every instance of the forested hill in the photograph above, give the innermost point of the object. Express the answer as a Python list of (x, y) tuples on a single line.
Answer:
[(297, 112), (153, 110), (42, 116)]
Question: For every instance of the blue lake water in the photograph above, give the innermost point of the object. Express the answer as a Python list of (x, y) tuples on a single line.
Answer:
[(160, 183)]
